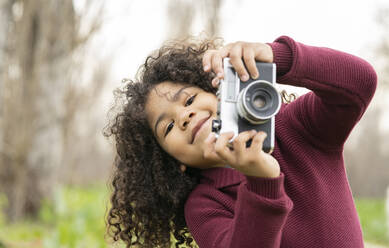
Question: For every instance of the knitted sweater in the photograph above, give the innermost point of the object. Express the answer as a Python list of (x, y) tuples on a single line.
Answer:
[(310, 204)]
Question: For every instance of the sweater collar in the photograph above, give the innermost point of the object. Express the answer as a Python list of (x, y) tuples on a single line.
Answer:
[(221, 177)]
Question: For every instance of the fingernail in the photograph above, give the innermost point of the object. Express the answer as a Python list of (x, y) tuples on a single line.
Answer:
[(215, 82), (245, 77), (220, 75), (255, 76), (210, 135), (206, 67)]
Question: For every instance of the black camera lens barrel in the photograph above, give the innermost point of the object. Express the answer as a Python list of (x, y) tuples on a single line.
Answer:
[(258, 102)]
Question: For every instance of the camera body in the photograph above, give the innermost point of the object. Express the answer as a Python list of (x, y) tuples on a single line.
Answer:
[(243, 106)]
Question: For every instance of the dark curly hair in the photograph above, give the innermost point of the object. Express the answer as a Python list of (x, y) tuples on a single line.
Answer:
[(149, 189)]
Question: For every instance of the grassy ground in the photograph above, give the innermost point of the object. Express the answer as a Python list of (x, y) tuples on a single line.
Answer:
[(75, 219), (372, 216)]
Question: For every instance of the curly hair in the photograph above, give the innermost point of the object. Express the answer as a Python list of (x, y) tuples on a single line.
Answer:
[(148, 188)]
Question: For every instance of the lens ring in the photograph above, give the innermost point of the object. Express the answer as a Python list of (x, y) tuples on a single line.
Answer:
[(248, 111)]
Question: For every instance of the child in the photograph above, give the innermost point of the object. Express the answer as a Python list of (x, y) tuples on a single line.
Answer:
[(170, 175)]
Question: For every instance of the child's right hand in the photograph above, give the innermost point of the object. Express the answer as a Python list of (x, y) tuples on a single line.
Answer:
[(242, 57), (251, 161)]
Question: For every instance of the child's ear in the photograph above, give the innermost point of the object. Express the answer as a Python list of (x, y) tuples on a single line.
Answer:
[(182, 168)]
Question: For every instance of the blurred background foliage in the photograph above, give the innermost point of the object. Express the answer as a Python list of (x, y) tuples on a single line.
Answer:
[(54, 164)]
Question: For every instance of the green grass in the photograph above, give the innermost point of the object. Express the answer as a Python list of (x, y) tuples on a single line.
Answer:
[(75, 219), (372, 216)]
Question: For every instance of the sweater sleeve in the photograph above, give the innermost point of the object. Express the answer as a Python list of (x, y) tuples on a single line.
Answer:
[(342, 86), (255, 220)]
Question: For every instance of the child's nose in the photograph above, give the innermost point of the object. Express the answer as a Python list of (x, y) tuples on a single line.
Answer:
[(186, 118)]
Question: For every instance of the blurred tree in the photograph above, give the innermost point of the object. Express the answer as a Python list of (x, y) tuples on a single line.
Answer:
[(181, 15), (367, 153), (5, 17), (211, 10), (368, 169), (382, 50), (41, 39)]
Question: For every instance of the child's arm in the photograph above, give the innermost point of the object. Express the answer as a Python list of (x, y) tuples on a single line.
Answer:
[(256, 220), (342, 86)]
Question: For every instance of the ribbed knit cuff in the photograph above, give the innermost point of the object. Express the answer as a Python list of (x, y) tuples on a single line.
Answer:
[(282, 57), (223, 176), (272, 188)]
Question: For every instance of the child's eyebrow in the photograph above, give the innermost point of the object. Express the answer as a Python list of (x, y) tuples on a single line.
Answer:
[(175, 98)]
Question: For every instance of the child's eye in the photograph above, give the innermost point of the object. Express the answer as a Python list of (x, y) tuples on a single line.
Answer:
[(190, 100), (169, 127)]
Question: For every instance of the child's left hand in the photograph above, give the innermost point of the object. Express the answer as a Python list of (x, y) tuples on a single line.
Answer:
[(240, 54)]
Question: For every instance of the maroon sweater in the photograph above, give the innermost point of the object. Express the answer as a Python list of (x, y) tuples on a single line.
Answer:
[(310, 204)]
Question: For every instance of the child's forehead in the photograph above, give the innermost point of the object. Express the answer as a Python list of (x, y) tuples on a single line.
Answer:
[(165, 88), (164, 95), (169, 91)]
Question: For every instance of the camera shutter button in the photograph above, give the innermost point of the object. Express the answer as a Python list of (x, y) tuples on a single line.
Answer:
[(216, 125)]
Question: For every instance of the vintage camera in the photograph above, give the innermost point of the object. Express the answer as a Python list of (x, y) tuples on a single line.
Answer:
[(244, 106)]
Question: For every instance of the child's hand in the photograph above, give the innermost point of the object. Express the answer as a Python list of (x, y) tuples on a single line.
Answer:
[(238, 53), (251, 161)]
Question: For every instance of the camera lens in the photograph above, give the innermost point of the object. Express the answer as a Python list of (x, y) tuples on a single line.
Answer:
[(258, 102)]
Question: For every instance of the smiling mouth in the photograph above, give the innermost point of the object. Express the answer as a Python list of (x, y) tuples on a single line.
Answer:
[(197, 128)]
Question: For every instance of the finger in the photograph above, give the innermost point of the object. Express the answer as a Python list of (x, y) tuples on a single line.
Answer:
[(258, 140), (209, 151), (223, 140), (239, 142), (237, 62), (249, 60), (217, 64), (222, 149), (225, 51), (207, 60), (209, 147), (263, 52), (215, 82)]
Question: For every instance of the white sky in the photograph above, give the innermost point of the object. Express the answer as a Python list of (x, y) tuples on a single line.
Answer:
[(133, 28), (138, 26)]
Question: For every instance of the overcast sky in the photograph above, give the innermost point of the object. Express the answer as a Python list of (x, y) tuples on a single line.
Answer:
[(134, 28), (138, 26)]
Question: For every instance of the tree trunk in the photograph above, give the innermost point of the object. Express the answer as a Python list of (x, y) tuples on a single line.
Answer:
[(181, 15), (39, 45)]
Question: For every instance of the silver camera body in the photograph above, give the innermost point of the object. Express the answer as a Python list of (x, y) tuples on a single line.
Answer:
[(243, 106)]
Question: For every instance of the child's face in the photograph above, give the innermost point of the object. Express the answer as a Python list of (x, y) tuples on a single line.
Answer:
[(174, 119)]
